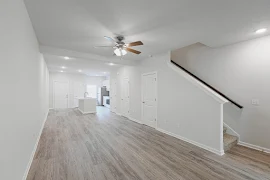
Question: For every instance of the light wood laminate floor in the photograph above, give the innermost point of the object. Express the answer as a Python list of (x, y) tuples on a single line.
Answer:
[(107, 146)]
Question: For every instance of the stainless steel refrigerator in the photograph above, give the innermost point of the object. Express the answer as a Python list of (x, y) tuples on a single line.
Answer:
[(101, 92)]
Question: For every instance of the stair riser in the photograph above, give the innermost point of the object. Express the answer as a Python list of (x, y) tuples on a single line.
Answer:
[(229, 146)]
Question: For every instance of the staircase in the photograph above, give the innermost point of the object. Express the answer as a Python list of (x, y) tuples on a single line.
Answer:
[(228, 140)]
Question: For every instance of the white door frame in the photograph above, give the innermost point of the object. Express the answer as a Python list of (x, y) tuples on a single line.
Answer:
[(54, 92), (149, 73), (122, 114), (113, 94)]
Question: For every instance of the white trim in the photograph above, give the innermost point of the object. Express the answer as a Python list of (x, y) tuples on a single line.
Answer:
[(156, 75), (130, 118), (221, 145), (220, 153), (252, 146), (135, 120), (35, 148), (121, 97), (200, 85), (54, 93), (89, 112)]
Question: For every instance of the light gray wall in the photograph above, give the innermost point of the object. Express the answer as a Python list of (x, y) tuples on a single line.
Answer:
[(179, 102), (134, 74), (24, 90), (240, 71), (72, 78)]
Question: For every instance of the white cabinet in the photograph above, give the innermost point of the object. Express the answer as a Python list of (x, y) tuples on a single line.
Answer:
[(87, 105)]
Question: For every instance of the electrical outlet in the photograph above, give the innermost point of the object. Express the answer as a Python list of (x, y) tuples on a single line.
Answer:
[(178, 125), (255, 102)]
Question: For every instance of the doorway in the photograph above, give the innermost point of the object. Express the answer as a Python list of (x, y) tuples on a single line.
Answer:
[(149, 99), (61, 94)]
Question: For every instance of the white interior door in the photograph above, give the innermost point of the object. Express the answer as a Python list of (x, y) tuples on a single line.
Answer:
[(60, 94), (79, 90), (113, 95), (149, 99), (125, 98)]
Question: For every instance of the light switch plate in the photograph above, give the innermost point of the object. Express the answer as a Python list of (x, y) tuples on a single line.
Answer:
[(255, 102)]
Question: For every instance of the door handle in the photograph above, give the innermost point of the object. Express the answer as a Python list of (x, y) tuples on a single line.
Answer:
[(143, 102)]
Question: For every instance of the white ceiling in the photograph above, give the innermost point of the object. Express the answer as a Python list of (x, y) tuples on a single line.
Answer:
[(78, 25), (73, 65)]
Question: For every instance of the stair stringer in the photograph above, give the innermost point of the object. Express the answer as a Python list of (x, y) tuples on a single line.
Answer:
[(209, 92), (231, 131), (197, 83)]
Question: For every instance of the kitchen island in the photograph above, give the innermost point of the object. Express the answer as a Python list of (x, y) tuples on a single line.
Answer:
[(87, 105)]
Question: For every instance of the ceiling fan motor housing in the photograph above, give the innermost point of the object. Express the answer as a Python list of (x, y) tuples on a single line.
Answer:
[(120, 38)]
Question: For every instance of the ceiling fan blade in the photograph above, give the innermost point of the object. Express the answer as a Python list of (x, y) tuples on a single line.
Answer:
[(103, 46), (137, 43), (133, 51), (109, 38)]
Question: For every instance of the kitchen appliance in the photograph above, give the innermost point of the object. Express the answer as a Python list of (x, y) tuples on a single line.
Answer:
[(101, 92)]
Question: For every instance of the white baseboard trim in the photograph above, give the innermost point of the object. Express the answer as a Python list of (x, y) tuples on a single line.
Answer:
[(135, 120), (252, 146), (220, 153), (86, 112), (35, 148)]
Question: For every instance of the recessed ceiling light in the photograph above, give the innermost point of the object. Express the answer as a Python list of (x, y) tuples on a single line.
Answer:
[(63, 67), (259, 31), (111, 64), (104, 72), (80, 70), (66, 58), (61, 71)]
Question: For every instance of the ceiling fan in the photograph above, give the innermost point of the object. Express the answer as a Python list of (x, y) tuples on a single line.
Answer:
[(120, 47)]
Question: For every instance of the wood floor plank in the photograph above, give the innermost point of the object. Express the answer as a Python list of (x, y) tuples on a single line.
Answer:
[(105, 146)]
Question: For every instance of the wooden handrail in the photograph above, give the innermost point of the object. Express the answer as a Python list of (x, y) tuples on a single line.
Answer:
[(214, 89)]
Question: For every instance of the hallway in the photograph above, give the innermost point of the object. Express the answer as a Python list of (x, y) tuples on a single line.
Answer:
[(107, 146)]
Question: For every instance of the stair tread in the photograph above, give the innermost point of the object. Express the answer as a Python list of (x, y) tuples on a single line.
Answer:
[(228, 139)]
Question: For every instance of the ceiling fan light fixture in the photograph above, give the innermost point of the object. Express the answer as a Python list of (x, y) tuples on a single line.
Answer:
[(124, 52), (120, 47), (120, 52)]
